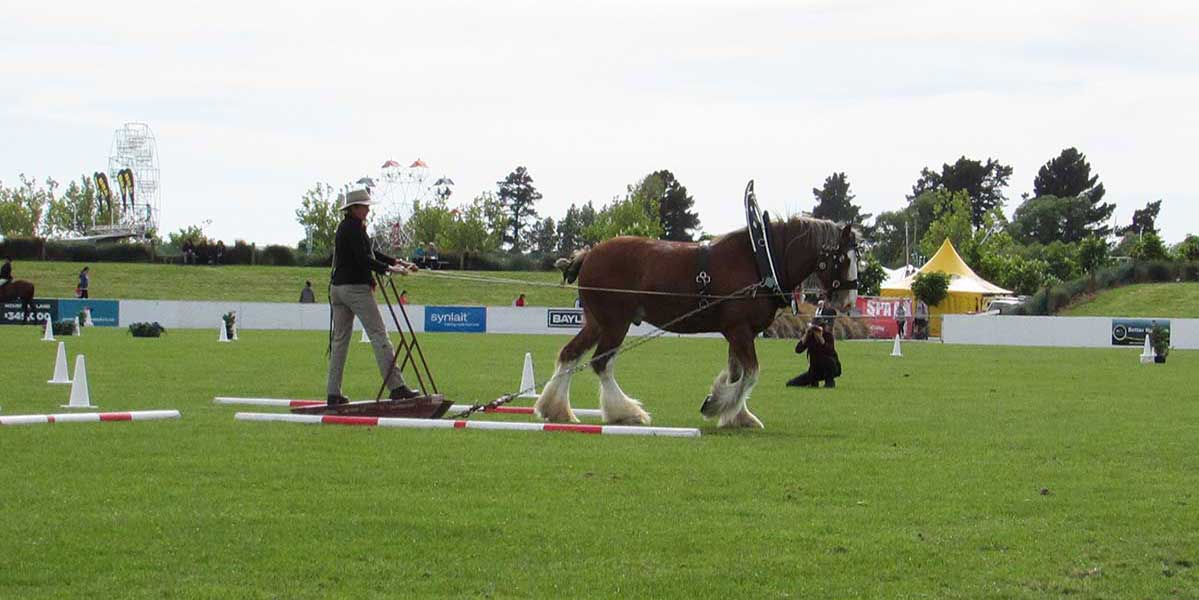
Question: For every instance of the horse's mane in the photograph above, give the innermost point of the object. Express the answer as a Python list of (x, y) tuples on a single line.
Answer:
[(821, 232)]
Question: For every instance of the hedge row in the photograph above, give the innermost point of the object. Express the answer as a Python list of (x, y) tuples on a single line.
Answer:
[(241, 253), (1052, 299)]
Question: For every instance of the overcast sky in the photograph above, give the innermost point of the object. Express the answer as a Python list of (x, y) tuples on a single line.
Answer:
[(253, 102)]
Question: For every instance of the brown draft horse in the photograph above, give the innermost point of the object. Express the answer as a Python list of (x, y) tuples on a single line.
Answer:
[(800, 247), (22, 290)]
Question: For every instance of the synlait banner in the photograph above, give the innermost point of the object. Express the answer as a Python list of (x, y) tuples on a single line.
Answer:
[(462, 319), (1131, 332)]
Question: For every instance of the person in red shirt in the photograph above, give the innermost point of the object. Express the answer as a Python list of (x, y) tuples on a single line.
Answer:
[(520, 300), (823, 363)]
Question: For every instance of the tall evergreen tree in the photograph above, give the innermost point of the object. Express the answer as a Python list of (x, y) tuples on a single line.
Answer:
[(1144, 220), (1069, 176), (984, 184), (835, 203), (570, 231), (517, 194), (544, 235), (674, 208)]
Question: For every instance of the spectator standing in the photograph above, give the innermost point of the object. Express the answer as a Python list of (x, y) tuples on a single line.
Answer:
[(825, 315), (307, 296), (520, 300), (901, 316), (920, 327), (220, 251), (85, 279), (404, 297), (189, 252), (6, 271)]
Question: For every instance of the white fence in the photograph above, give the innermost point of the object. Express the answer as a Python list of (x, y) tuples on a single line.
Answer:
[(1087, 332), (1082, 332)]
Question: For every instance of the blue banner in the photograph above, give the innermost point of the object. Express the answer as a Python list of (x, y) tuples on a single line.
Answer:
[(1131, 332), (462, 319), (105, 313)]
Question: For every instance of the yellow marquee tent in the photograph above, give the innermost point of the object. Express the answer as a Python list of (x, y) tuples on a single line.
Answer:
[(966, 288)]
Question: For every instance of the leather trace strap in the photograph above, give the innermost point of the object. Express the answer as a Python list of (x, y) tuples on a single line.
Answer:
[(702, 279)]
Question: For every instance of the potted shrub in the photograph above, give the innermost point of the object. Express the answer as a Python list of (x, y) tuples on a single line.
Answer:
[(1160, 340), (230, 319), (151, 330)]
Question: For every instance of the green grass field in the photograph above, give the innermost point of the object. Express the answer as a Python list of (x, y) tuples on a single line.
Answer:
[(139, 281), (1179, 300), (917, 477)]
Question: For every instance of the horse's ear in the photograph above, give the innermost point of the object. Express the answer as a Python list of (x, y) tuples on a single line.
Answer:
[(847, 233)]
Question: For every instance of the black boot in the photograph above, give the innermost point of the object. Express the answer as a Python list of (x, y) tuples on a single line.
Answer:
[(336, 399), (404, 392), (828, 383)]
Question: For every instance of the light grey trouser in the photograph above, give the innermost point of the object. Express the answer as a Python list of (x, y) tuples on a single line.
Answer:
[(357, 300)]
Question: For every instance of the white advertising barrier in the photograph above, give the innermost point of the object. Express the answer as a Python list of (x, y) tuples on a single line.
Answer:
[(1081, 332), (539, 320), (250, 315)]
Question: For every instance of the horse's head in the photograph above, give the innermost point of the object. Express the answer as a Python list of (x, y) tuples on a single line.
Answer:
[(837, 269)]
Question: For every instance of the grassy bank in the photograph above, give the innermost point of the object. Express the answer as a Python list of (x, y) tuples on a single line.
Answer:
[(1180, 300)]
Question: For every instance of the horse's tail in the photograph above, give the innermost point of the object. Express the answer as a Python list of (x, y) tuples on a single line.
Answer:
[(570, 266)]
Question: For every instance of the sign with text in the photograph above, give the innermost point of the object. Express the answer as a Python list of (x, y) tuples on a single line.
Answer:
[(461, 319), (564, 318), (105, 313), (879, 314), (1131, 332), (12, 313)]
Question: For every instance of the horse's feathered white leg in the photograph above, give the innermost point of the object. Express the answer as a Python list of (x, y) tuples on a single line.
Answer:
[(554, 402), (616, 408), (740, 416)]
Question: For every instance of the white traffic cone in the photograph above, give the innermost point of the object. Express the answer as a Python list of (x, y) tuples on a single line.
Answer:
[(79, 394), (1147, 353), (49, 335), (895, 351), (77, 329), (60, 366), (528, 387), (87, 318), (365, 338), (224, 335)]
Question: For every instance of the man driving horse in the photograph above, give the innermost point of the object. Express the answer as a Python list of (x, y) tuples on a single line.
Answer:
[(351, 295)]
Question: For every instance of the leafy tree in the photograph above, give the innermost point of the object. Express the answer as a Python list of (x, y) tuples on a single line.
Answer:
[(544, 235), (674, 206), (637, 214), (983, 183), (1069, 176), (1187, 249), (870, 275), (1025, 275), (931, 288), (191, 233), (954, 224), (1046, 219), (1093, 253), (21, 207), (495, 214), (319, 217), (467, 232), (517, 195), (887, 238), (1144, 220), (76, 211), (587, 216), (1148, 246), (570, 231), (1061, 260), (430, 222), (835, 203)]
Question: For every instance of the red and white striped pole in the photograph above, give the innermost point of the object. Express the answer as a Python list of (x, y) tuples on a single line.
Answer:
[(463, 424), (503, 410), (134, 415)]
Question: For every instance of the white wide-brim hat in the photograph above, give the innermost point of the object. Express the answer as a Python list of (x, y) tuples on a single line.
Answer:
[(355, 197)]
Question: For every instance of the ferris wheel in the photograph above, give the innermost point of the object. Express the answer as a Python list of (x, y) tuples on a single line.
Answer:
[(400, 188), (133, 163)]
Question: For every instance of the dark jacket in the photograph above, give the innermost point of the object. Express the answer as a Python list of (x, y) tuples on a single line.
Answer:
[(822, 352), (353, 257), (6, 271)]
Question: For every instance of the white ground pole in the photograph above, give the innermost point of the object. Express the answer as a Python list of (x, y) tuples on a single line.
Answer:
[(281, 402), (134, 415), (462, 424)]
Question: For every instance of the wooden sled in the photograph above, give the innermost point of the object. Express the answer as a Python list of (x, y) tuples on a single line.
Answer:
[(432, 406)]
